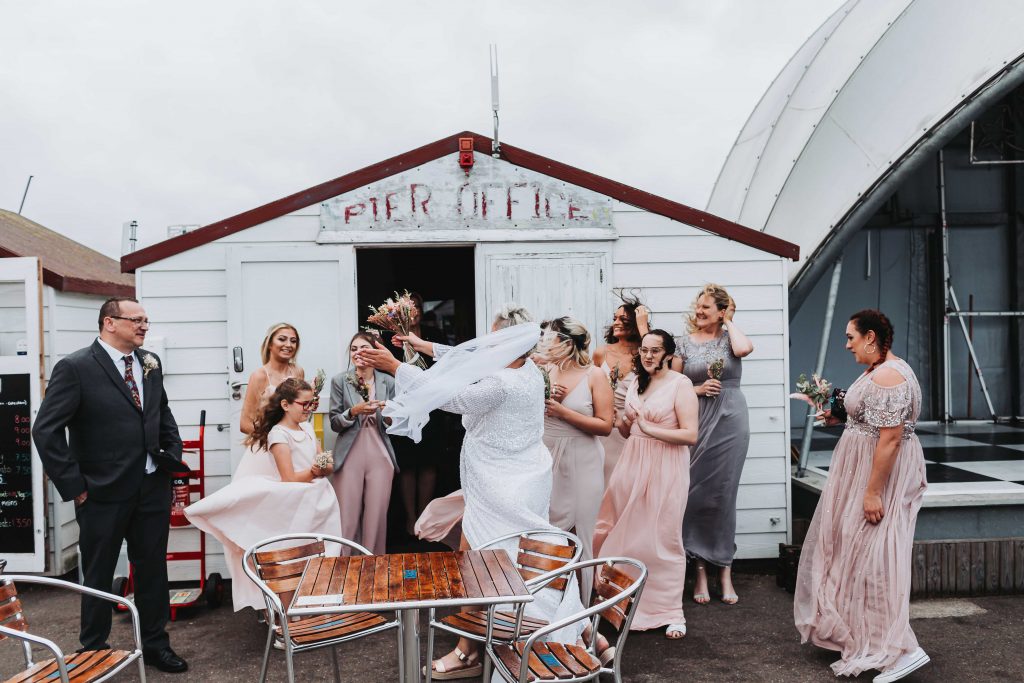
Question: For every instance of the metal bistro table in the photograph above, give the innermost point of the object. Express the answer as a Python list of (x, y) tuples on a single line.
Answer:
[(408, 583)]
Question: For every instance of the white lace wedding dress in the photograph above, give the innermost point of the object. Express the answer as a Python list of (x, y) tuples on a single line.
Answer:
[(506, 471)]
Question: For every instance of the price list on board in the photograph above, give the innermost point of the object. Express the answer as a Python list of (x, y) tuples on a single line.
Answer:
[(16, 528)]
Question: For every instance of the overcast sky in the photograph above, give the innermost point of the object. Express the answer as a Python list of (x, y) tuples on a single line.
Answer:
[(190, 112)]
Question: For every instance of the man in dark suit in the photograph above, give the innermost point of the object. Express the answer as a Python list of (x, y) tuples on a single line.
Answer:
[(115, 462)]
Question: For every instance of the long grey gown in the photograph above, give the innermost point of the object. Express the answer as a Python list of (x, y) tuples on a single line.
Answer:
[(716, 461)]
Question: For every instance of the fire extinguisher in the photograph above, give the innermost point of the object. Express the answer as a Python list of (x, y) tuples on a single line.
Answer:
[(179, 501)]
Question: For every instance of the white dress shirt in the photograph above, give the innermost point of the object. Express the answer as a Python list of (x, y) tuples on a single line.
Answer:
[(118, 359)]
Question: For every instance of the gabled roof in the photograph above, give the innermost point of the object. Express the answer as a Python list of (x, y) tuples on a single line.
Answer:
[(436, 150), (67, 265)]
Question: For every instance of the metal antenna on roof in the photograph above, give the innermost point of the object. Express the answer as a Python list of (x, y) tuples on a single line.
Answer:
[(25, 194), (495, 145)]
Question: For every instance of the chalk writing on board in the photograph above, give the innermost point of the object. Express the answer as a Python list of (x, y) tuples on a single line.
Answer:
[(16, 527)]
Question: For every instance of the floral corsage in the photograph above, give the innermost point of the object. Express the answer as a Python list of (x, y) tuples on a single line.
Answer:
[(149, 364)]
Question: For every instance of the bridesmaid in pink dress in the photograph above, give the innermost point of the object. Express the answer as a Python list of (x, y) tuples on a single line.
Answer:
[(853, 588), (641, 515), (615, 358), (277, 488)]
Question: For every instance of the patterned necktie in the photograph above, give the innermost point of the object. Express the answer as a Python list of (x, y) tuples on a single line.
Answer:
[(129, 379)]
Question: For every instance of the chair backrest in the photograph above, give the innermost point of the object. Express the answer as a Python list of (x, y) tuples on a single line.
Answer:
[(609, 582), (11, 615), (279, 569), (536, 557)]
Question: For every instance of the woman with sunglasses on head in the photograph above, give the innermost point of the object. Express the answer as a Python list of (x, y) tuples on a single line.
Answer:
[(277, 489), (616, 359), (577, 414), (853, 586), (641, 513), (364, 461), (278, 351)]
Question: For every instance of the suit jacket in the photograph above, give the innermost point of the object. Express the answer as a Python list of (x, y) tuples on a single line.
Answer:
[(343, 397), (108, 436)]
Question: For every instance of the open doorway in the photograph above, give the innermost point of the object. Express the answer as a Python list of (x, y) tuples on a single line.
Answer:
[(444, 278)]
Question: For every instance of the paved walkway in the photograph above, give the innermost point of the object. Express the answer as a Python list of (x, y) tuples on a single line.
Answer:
[(977, 639)]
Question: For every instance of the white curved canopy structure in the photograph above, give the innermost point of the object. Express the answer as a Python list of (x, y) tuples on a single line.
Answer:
[(879, 86)]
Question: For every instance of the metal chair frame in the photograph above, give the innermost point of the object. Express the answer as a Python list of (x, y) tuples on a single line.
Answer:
[(28, 640), (535, 584), (592, 613), (277, 613)]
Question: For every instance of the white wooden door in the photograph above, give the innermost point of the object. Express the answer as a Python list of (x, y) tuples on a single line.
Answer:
[(550, 280), (22, 516), (312, 288)]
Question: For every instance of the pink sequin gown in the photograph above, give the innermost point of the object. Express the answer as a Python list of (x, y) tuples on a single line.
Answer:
[(853, 587), (641, 514)]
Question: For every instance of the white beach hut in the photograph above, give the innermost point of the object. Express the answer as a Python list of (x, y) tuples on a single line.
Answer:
[(470, 231), (51, 289)]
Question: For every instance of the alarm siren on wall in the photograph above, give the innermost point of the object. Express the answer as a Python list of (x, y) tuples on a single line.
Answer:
[(466, 154)]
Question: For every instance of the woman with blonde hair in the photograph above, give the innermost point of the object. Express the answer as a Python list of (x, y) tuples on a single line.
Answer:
[(577, 414), (278, 351), (711, 354)]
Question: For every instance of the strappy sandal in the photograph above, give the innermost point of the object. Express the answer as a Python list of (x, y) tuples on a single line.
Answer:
[(675, 628), (730, 598), (471, 667)]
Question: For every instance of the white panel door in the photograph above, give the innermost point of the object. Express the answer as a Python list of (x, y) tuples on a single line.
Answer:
[(551, 280), (22, 516), (311, 288)]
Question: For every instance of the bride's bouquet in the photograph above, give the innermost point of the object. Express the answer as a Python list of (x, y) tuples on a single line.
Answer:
[(395, 315)]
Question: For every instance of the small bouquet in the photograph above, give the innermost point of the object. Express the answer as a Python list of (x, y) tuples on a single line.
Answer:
[(716, 369), (324, 461), (815, 392), (547, 382), (395, 315), (318, 386), (360, 386), (614, 377)]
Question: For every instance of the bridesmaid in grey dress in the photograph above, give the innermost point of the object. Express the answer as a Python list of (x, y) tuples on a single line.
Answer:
[(711, 354)]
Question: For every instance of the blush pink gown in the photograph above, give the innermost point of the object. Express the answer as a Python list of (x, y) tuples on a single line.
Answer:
[(641, 514), (257, 505), (853, 587)]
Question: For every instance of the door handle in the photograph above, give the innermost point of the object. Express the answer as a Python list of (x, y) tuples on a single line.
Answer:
[(236, 390)]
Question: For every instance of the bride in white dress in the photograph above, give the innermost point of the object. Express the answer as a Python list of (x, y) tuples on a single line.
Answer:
[(505, 467)]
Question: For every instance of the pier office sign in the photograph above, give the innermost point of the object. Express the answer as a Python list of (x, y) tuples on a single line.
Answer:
[(494, 200)]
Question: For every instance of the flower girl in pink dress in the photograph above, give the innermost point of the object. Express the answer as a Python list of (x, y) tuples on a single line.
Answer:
[(277, 488)]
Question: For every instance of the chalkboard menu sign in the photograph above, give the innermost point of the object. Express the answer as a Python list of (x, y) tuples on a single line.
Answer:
[(16, 529)]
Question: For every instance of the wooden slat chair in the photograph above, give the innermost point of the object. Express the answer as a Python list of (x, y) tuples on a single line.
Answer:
[(536, 558), (616, 595), (277, 571), (79, 667)]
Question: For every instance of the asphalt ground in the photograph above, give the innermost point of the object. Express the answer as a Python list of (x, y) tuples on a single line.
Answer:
[(970, 639)]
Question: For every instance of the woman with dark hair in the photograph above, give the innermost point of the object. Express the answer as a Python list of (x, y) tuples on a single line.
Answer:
[(711, 352), (573, 425), (641, 514), (616, 358), (278, 476), (364, 461), (853, 586), (278, 353)]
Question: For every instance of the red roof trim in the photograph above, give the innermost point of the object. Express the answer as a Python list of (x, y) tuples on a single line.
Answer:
[(79, 285), (435, 150)]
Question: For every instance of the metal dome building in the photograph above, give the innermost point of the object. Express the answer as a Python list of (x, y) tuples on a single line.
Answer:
[(845, 154)]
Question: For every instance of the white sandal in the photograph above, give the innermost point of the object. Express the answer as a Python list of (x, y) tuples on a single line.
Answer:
[(471, 669), (675, 628)]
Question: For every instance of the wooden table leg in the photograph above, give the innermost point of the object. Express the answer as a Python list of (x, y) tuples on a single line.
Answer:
[(410, 619)]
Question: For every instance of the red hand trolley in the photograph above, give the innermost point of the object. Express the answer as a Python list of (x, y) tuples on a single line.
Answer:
[(210, 588)]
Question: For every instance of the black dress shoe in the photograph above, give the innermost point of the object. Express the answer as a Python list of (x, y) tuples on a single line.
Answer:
[(166, 660)]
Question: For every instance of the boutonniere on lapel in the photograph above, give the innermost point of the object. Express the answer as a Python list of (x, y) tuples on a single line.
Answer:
[(360, 386), (149, 364)]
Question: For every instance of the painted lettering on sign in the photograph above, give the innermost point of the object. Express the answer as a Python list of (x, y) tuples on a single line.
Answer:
[(439, 195)]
